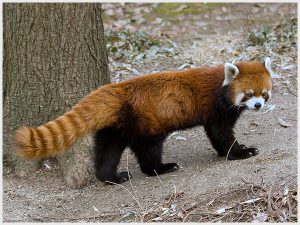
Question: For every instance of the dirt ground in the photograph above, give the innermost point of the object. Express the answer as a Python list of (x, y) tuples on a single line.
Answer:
[(207, 38)]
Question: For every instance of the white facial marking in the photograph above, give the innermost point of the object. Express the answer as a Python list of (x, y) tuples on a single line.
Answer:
[(255, 100), (230, 72), (239, 98)]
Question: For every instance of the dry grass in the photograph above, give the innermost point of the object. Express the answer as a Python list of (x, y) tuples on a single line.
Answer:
[(247, 203), (276, 203)]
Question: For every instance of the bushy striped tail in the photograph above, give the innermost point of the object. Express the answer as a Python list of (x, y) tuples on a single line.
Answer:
[(55, 137)]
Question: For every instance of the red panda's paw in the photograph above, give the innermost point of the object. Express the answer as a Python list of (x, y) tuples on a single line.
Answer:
[(160, 169), (124, 176), (244, 153), (235, 156), (169, 168), (254, 151), (118, 179)]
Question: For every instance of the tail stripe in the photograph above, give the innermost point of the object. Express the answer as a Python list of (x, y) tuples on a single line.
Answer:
[(63, 133), (85, 112), (80, 121), (34, 137), (82, 113), (53, 136), (73, 123), (32, 142), (56, 136), (41, 139), (84, 122)]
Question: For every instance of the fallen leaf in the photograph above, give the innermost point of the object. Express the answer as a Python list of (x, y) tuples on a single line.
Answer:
[(221, 210), (283, 123), (95, 209), (286, 191), (260, 218), (186, 65), (180, 215), (254, 124), (180, 138), (47, 166), (268, 108), (288, 67), (157, 219), (174, 133), (210, 203), (250, 201)]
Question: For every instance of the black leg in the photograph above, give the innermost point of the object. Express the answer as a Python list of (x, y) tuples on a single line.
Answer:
[(149, 154), (109, 146), (223, 140)]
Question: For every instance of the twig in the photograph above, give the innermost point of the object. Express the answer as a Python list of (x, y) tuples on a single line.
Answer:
[(289, 89), (192, 208), (245, 181), (261, 184), (119, 185), (128, 172), (132, 187), (289, 205), (230, 149), (219, 219), (270, 209), (159, 179), (175, 193), (240, 217), (73, 218)]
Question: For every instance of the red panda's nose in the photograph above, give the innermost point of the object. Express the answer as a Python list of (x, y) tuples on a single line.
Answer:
[(257, 105)]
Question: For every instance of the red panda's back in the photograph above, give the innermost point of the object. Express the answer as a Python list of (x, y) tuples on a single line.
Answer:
[(172, 100)]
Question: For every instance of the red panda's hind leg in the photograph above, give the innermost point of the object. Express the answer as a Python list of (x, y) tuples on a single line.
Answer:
[(148, 151), (109, 146)]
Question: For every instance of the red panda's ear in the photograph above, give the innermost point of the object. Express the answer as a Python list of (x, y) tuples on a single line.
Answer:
[(230, 72), (268, 67)]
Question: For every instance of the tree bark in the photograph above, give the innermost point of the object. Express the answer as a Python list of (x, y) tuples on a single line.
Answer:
[(54, 54)]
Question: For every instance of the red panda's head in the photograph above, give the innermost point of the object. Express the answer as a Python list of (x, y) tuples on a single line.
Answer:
[(250, 83)]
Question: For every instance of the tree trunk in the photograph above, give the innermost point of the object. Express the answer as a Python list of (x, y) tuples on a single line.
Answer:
[(54, 54)]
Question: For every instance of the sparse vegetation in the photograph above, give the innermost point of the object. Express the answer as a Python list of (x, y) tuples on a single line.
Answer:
[(245, 203), (175, 9), (280, 37), (257, 37), (135, 46)]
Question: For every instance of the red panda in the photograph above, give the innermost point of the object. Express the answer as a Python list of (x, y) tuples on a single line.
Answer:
[(141, 112)]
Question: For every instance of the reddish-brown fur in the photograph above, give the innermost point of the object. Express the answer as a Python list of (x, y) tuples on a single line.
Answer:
[(254, 75), (163, 102)]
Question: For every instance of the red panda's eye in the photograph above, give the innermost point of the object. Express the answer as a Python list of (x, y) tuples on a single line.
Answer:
[(264, 94), (249, 94)]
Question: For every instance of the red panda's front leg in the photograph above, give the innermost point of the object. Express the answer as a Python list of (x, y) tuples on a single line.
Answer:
[(222, 139)]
